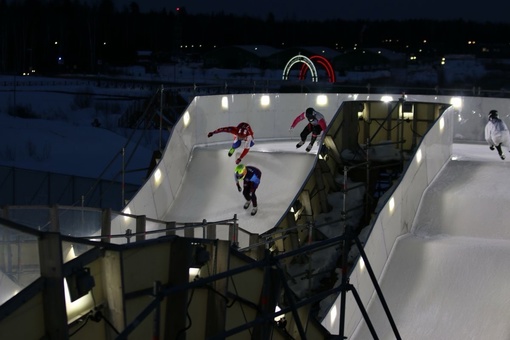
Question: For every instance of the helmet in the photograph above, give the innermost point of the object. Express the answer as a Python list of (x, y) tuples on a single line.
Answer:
[(310, 113), (240, 171), (493, 114), (242, 130)]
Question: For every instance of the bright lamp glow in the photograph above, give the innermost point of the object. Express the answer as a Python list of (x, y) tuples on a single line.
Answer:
[(456, 102), (70, 254), (407, 112), (276, 310), (333, 314), (391, 204), (387, 99), (418, 156), (157, 177), (193, 273), (441, 124), (264, 100), (408, 115), (128, 212), (361, 265), (186, 118), (224, 103), (322, 100), (78, 307)]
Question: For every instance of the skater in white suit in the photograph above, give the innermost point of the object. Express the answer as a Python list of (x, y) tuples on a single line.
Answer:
[(496, 133)]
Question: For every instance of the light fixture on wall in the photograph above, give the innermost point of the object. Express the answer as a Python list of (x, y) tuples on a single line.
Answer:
[(386, 98), (297, 209), (80, 283), (264, 100), (322, 100), (456, 102), (186, 118), (224, 103), (323, 152), (361, 111), (200, 257), (407, 111)]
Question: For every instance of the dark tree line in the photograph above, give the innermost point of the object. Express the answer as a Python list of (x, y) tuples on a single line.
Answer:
[(72, 36)]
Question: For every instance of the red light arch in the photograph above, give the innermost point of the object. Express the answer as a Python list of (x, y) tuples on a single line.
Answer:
[(322, 61)]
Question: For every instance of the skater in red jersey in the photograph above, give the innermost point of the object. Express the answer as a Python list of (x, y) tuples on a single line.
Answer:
[(242, 132)]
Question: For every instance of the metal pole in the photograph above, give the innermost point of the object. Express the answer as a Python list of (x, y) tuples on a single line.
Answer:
[(377, 287), (157, 311), (234, 233), (388, 121), (123, 174), (128, 235), (161, 118), (368, 200), (343, 293), (82, 212), (310, 232), (344, 206), (346, 286)]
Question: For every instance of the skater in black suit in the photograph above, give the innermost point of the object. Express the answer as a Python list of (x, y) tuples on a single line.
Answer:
[(316, 125)]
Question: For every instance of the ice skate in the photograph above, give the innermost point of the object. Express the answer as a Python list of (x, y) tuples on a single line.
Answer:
[(247, 205), (253, 211), (502, 156), (309, 147), (231, 152), (300, 144)]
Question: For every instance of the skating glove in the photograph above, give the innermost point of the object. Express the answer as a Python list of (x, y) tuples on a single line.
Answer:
[(491, 147), (210, 134), (239, 187), (238, 160)]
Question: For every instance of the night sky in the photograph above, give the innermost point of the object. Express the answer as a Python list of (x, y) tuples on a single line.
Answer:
[(469, 10)]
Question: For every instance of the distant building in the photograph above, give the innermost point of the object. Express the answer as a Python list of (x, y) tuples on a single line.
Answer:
[(238, 56), (361, 60), (462, 67), (146, 59)]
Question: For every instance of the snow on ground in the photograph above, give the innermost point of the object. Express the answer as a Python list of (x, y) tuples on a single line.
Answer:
[(46, 125)]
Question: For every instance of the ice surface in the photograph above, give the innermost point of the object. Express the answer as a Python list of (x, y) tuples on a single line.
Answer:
[(449, 278)]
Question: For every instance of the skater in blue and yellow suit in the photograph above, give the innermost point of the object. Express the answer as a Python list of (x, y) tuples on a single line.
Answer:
[(251, 180)]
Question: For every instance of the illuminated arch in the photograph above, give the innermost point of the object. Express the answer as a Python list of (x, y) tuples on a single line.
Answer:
[(324, 62), (300, 59)]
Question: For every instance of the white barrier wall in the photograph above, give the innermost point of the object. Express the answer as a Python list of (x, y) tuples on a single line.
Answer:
[(271, 116)]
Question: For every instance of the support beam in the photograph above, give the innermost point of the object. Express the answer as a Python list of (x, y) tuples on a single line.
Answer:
[(55, 316), (176, 304)]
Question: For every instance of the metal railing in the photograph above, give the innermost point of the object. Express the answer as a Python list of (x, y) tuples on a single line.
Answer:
[(118, 227)]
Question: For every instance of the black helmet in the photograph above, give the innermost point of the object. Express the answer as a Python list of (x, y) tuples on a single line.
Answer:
[(493, 114), (310, 113)]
